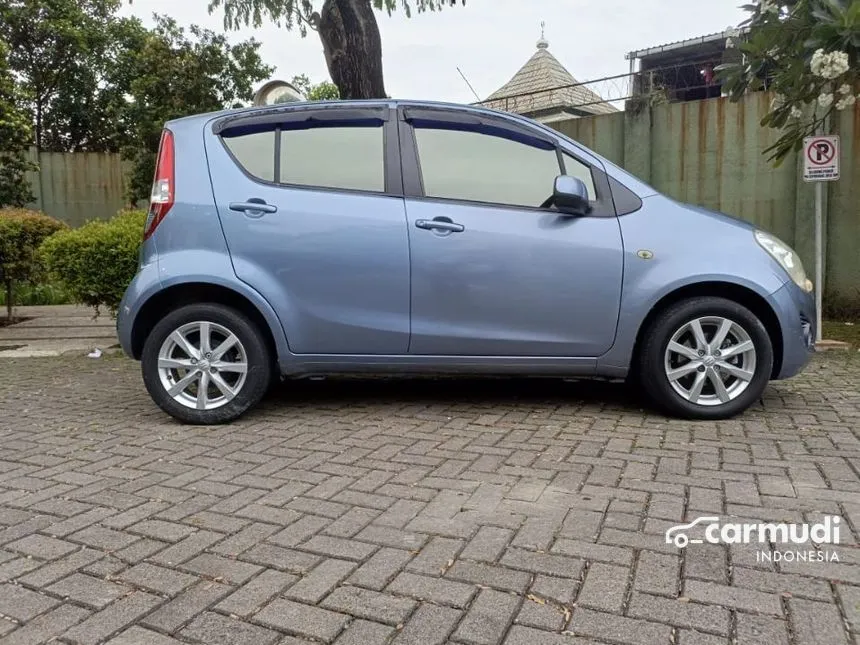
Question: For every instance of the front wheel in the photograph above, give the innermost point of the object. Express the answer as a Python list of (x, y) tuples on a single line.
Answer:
[(206, 364), (705, 358)]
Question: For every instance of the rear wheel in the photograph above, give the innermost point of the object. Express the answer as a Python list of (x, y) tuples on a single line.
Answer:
[(705, 358), (206, 364)]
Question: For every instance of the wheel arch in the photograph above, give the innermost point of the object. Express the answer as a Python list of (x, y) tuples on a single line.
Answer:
[(745, 296), (187, 293)]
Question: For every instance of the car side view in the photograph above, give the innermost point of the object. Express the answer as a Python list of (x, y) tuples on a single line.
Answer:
[(410, 237)]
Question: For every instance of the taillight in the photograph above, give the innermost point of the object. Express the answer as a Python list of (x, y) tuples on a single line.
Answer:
[(163, 186)]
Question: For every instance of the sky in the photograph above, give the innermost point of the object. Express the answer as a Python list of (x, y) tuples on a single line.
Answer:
[(489, 40)]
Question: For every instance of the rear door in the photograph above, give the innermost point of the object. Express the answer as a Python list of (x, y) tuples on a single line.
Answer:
[(311, 205)]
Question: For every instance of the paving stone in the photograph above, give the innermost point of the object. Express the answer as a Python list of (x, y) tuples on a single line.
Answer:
[(380, 569), (704, 617), (23, 604), (88, 590), (734, 597), (488, 618), (372, 605), (157, 579), (365, 632), (303, 620), (184, 607), (256, 593), (586, 622), (489, 576), (161, 530), (220, 568), (215, 628), (761, 630), (429, 625), (541, 615), (142, 636), (442, 592), (320, 581), (110, 620), (816, 623), (604, 588), (436, 556), (42, 547), (47, 626)]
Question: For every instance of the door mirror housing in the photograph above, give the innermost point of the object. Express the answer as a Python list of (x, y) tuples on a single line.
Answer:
[(570, 196)]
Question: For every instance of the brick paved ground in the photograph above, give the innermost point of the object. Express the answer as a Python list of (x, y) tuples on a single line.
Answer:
[(423, 512)]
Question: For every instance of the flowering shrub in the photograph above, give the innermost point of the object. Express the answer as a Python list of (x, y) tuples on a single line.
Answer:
[(807, 52)]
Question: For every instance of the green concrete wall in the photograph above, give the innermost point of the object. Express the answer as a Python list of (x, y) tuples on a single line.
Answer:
[(710, 153)]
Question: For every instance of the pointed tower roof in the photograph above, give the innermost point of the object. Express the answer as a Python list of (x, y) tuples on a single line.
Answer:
[(543, 85)]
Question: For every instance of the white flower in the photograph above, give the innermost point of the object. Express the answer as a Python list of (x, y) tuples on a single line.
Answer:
[(796, 112), (769, 6), (845, 89), (825, 100), (829, 65), (846, 102)]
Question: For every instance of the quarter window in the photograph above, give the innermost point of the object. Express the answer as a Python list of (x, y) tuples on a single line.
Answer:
[(255, 153), (474, 166)]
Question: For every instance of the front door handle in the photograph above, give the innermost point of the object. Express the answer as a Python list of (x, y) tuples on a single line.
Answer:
[(442, 224), (253, 206)]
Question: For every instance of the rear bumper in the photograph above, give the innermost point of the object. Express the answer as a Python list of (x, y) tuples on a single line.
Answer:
[(796, 313)]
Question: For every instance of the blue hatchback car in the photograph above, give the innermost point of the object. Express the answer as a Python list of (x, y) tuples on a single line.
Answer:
[(408, 237)]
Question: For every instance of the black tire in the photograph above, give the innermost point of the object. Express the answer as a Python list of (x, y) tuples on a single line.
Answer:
[(651, 361), (257, 354)]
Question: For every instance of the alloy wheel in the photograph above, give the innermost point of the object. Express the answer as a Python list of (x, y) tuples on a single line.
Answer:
[(710, 361), (202, 365)]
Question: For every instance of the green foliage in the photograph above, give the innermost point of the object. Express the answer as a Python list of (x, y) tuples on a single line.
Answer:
[(21, 233), (96, 262), (325, 91), (176, 74), (63, 52), (28, 294), (301, 14), (15, 138), (807, 52)]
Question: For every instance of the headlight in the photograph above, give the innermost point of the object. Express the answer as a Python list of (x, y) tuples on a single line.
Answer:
[(787, 258)]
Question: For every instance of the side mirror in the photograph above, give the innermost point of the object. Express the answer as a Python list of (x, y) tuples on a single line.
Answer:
[(570, 196)]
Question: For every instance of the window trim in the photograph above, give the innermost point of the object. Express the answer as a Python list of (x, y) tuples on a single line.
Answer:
[(392, 175), (413, 179)]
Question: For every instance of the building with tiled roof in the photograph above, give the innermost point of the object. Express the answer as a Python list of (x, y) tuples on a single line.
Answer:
[(544, 90)]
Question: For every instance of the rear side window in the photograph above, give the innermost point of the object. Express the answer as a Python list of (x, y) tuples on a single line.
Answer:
[(349, 157), (255, 153), (473, 166), (334, 157)]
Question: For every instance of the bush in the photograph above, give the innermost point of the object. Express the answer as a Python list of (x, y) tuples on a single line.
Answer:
[(96, 262), (21, 233)]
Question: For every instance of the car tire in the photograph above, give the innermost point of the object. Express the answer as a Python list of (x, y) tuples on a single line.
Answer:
[(684, 378), (175, 359)]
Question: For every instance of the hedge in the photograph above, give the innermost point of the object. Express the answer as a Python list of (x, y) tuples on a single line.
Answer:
[(96, 262), (22, 231)]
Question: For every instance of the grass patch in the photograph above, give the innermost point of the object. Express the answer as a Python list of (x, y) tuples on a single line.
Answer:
[(25, 295), (845, 331)]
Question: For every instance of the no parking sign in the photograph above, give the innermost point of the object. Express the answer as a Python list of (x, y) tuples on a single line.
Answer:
[(821, 159)]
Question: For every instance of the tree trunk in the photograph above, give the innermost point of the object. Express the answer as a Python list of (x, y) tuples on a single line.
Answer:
[(353, 48), (8, 300)]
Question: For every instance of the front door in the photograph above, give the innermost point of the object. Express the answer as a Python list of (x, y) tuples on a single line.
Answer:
[(314, 224), (493, 273)]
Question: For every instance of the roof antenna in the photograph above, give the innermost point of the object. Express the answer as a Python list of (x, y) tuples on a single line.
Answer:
[(469, 84)]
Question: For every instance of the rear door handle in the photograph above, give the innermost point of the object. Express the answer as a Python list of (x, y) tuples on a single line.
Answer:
[(439, 224), (253, 207)]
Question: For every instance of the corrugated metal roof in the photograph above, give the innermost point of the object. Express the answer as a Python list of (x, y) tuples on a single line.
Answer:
[(680, 44)]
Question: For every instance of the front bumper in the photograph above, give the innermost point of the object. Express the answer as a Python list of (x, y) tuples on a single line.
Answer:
[(795, 310)]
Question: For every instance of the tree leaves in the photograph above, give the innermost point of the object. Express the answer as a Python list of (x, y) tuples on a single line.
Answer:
[(778, 50)]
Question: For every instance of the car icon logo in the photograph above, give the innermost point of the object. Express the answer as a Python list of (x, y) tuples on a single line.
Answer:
[(677, 534)]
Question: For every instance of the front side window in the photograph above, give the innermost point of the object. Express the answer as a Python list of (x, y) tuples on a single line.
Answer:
[(474, 166), (349, 157), (575, 168)]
